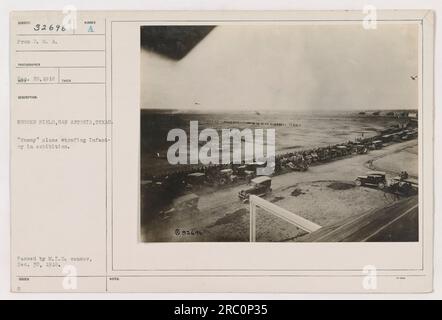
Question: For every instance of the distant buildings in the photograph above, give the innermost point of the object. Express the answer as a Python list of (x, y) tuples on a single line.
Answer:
[(412, 115)]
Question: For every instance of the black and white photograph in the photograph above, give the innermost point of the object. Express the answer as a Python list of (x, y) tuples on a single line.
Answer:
[(279, 133), (223, 151)]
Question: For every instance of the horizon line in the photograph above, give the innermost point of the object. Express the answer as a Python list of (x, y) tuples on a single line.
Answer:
[(279, 109)]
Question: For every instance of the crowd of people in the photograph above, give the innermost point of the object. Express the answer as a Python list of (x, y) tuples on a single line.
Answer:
[(223, 174)]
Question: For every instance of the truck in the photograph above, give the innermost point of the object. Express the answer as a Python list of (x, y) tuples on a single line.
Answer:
[(260, 186), (372, 178)]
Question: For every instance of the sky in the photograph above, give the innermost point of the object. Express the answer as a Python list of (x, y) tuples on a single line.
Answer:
[(290, 67)]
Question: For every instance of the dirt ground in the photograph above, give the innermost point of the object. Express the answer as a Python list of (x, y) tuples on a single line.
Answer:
[(324, 194), (406, 159)]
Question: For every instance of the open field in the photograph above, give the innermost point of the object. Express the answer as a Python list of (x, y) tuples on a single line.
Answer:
[(310, 130), (406, 159)]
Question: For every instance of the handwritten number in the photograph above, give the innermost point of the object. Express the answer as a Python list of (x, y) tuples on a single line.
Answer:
[(51, 27)]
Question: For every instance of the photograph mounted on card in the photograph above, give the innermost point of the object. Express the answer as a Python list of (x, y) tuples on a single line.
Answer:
[(222, 151)]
